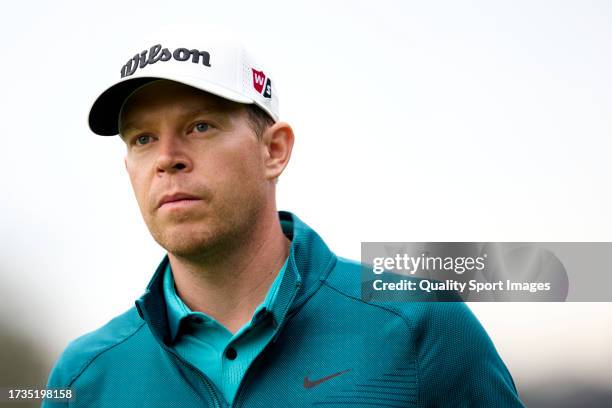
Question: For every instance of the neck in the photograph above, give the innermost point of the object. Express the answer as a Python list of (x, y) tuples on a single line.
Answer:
[(230, 286)]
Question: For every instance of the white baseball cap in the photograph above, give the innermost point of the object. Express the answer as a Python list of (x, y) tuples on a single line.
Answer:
[(220, 66)]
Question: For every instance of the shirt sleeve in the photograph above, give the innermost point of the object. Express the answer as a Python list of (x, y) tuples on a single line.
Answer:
[(459, 365), (56, 380)]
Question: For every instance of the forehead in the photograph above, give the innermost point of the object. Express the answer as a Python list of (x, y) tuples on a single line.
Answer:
[(161, 96)]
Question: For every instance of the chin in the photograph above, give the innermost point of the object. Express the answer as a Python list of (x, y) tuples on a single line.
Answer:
[(191, 241), (199, 236)]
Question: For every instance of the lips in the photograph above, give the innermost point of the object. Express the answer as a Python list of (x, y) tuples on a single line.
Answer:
[(176, 198)]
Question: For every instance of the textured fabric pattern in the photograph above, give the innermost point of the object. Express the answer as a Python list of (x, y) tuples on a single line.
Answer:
[(330, 348)]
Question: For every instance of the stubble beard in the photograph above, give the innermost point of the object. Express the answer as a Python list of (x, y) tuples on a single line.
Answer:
[(204, 239)]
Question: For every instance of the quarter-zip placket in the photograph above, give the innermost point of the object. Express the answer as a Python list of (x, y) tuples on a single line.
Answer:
[(205, 380)]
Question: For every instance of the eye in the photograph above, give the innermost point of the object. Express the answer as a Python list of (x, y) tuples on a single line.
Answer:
[(201, 127), (143, 139)]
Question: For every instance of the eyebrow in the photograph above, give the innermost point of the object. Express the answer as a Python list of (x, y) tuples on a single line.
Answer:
[(126, 127)]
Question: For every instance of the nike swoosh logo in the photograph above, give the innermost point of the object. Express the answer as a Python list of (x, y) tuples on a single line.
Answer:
[(313, 383)]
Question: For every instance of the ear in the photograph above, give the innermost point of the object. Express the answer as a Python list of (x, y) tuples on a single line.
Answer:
[(125, 162), (278, 142)]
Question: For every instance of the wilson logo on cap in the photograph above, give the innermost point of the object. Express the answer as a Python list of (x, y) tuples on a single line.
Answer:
[(262, 84), (157, 53)]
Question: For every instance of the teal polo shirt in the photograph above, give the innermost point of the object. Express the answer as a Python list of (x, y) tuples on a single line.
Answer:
[(204, 342)]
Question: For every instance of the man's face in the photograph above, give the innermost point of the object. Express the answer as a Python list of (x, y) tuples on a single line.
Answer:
[(196, 167)]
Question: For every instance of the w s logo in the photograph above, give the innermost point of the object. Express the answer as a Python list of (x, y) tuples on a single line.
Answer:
[(259, 79)]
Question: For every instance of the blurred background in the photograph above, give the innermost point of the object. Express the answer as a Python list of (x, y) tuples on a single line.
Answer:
[(415, 121)]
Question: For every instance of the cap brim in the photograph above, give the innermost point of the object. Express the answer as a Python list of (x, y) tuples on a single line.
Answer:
[(104, 113)]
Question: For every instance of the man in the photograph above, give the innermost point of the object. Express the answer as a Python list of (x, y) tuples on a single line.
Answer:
[(250, 308)]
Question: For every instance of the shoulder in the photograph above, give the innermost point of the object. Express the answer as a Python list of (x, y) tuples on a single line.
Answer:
[(81, 352), (420, 310)]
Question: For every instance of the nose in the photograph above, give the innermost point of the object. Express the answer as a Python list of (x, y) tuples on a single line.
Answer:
[(172, 156)]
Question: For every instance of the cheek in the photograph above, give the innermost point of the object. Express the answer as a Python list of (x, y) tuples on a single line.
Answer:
[(239, 166), (235, 178)]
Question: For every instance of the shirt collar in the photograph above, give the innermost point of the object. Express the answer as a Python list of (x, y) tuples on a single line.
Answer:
[(177, 310)]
